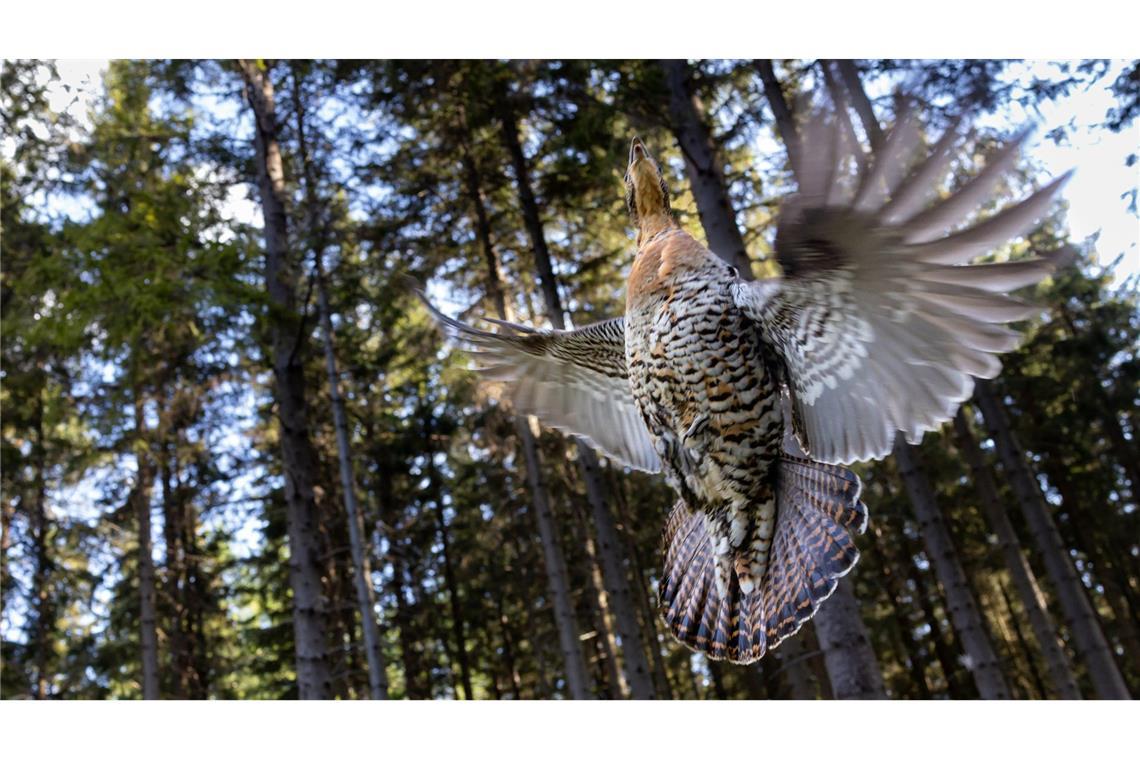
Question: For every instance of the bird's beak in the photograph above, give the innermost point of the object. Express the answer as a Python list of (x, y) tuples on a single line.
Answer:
[(636, 151)]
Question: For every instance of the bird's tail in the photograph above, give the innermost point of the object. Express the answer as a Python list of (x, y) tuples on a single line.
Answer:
[(818, 510)]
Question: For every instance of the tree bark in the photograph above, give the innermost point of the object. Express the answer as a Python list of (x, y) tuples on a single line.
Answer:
[(634, 661), (299, 460), (841, 103), (706, 175), (1022, 643), (964, 612), (1061, 674), (578, 680), (577, 676), (792, 656), (599, 607), (785, 122), (140, 496), (1081, 620), (851, 665), (175, 582), (649, 617), (361, 566), (896, 589), (861, 102), (450, 579), (44, 599)]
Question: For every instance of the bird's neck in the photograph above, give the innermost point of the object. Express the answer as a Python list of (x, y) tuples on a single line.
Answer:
[(653, 224)]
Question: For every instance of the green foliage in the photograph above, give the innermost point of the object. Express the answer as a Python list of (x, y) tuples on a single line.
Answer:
[(152, 296)]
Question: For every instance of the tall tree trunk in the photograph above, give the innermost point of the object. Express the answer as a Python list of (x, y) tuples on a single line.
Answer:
[(361, 565), (785, 122), (635, 663), (861, 102), (175, 569), (1061, 674), (1125, 451), (140, 495), (599, 606), (578, 680), (450, 580), (706, 175), (949, 656), (44, 599), (897, 592), (851, 664), (508, 648), (414, 688), (1088, 638), (1022, 643), (964, 612), (287, 335), (577, 676), (841, 102), (792, 656), (649, 617), (1097, 548)]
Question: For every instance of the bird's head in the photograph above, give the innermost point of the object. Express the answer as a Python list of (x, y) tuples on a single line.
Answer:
[(646, 194)]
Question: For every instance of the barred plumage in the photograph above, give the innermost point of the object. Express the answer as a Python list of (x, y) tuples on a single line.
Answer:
[(878, 325)]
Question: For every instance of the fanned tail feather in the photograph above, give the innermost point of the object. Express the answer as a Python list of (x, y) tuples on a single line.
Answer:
[(818, 510)]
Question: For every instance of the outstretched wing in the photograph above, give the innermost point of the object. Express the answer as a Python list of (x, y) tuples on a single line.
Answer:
[(881, 320), (573, 380)]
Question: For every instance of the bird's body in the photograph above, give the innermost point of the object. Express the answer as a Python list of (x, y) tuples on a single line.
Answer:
[(709, 396), (878, 326)]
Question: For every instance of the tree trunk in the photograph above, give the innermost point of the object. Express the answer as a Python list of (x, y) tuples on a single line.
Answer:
[(1060, 672), (964, 613), (785, 122), (599, 607), (451, 581), (175, 583), (706, 175), (578, 680), (792, 656), (861, 102), (897, 592), (140, 495), (840, 101), (649, 617), (405, 626), (1088, 638), (851, 665), (41, 593), (949, 656), (361, 566), (635, 664), (1022, 643), (577, 677), (299, 461)]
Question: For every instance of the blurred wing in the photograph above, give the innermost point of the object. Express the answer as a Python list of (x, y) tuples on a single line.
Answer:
[(573, 380), (881, 320)]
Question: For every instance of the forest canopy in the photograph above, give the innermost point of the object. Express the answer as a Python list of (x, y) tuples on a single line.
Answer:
[(239, 461)]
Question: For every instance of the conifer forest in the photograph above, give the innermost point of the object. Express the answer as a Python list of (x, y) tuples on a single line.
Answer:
[(241, 460)]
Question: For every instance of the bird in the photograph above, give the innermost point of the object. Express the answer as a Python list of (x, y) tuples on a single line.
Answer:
[(752, 397)]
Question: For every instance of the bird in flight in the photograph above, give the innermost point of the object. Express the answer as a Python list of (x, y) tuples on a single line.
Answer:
[(750, 396)]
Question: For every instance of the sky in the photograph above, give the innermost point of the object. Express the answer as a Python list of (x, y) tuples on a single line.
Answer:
[(1094, 195)]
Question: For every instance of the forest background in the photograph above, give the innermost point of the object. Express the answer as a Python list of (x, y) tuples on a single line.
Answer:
[(238, 461)]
